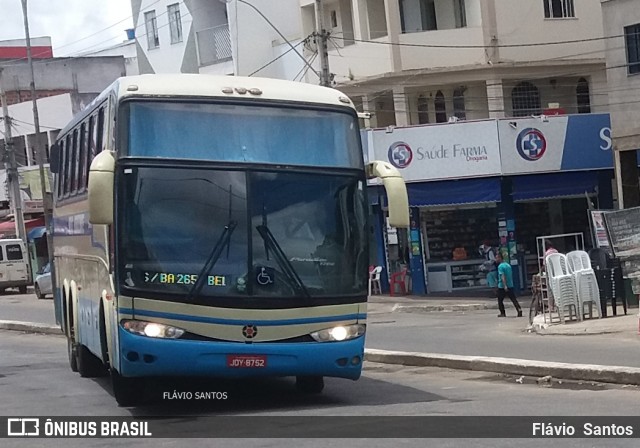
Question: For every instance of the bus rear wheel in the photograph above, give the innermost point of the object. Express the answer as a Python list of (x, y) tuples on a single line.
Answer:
[(73, 357), (310, 384), (127, 391), (89, 365)]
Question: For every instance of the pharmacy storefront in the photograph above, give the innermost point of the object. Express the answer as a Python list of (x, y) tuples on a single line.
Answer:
[(505, 181), (454, 186)]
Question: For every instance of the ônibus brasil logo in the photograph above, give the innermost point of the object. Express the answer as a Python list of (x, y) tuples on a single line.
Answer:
[(400, 155), (531, 144)]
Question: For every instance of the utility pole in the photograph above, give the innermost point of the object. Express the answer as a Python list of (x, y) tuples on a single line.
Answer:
[(12, 167), (46, 202), (322, 36)]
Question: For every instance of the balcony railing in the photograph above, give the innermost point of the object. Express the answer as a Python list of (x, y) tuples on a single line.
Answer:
[(214, 45)]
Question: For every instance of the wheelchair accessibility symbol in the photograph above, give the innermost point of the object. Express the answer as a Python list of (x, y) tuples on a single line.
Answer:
[(265, 276)]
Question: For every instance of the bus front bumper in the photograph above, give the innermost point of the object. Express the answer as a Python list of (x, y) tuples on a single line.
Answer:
[(145, 356)]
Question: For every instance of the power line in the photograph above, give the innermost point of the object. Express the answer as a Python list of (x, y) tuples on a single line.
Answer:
[(279, 57), (303, 71), (275, 28), (17, 61), (531, 44)]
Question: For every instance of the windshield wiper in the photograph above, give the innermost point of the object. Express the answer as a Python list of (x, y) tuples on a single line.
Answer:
[(282, 260), (224, 240)]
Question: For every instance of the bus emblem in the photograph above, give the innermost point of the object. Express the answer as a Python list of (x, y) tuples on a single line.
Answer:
[(249, 331)]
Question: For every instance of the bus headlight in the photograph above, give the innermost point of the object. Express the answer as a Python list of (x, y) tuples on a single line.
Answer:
[(152, 329), (341, 333)]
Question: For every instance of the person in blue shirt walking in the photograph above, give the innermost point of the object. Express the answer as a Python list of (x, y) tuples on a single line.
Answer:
[(505, 286)]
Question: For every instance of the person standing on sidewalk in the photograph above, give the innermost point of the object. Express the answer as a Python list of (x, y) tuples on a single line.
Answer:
[(489, 266), (505, 286)]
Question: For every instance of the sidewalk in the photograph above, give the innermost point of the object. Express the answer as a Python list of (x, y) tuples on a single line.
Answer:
[(426, 304)]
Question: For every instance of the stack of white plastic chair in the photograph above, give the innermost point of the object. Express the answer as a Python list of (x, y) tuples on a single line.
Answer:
[(563, 285), (374, 280), (586, 282)]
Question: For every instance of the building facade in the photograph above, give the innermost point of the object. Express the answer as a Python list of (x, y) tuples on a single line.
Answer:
[(64, 87), (622, 28), (217, 37)]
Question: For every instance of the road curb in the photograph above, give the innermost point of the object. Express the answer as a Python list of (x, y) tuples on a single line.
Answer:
[(579, 372), (398, 308), (29, 327)]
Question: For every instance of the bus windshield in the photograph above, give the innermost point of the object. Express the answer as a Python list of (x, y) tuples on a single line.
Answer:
[(243, 233), (243, 133)]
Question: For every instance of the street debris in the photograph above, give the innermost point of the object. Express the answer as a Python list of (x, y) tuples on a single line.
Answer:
[(519, 380), (544, 379)]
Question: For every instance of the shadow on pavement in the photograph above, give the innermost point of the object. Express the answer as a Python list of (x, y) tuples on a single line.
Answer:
[(264, 395)]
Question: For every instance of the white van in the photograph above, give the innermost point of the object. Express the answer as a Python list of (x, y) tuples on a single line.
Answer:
[(14, 268)]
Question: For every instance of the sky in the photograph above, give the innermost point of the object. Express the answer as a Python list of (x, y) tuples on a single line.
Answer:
[(69, 23)]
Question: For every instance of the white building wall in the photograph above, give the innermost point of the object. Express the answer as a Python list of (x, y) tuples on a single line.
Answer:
[(255, 41), (523, 21), (54, 112), (168, 57), (425, 57), (127, 50), (623, 89)]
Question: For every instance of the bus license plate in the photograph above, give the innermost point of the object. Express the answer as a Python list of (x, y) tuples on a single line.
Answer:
[(247, 361)]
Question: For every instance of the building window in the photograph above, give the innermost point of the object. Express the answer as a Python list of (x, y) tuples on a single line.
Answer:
[(459, 110), (423, 110), (582, 97), (334, 19), (461, 13), (525, 100), (558, 9), (632, 39), (441, 108), (175, 23), (153, 40), (417, 15)]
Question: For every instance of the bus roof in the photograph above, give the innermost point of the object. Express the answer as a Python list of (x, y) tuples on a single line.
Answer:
[(228, 86), (211, 86)]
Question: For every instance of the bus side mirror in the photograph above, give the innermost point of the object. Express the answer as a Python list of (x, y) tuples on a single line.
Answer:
[(396, 192), (54, 158), (101, 178)]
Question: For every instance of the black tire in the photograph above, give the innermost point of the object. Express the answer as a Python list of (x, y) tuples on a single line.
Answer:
[(127, 391), (38, 292), (73, 356), (310, 384), (89, 365), (22, 289)]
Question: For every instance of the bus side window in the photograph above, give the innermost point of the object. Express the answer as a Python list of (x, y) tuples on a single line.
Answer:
[(67, 166), (82, 158), (100, 140), (73, 173), (14, 252), (91, 147), (1, 253), (60, 176)]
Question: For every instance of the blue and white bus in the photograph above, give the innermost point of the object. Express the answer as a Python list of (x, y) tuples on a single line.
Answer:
[(214, 226)]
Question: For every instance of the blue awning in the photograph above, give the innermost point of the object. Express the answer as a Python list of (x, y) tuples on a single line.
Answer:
[(454, 192), (556, 185), (36, 232)]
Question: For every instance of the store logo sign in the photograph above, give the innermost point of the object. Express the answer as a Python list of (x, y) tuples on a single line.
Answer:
[(400, 155), (531, 144)]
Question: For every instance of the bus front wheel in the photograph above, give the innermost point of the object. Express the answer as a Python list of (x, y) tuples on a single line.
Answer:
[(127, 391), (310, 384)]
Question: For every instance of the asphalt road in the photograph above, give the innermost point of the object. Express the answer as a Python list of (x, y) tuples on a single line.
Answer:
[(35, 381), (26, 308), (459, 333), (482, 333)]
